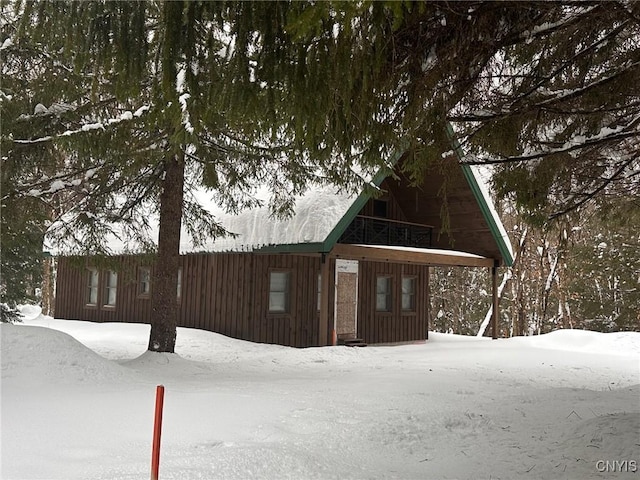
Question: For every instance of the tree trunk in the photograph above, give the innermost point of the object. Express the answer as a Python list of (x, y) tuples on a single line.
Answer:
[(164, 317), (487, 318), (47, 287)]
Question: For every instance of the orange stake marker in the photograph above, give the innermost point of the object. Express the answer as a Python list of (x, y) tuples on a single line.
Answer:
[(157, 430)]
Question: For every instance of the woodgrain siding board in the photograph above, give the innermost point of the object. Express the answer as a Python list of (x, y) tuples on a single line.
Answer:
[(247, 300), (71, 291), (205, 294), (395, 326), (240, 283), (423, 205), (235, 307), (229, 294), (394, 211), (201, 281)]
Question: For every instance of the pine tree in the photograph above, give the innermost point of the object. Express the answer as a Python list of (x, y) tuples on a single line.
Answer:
[(165, 100), (227, 94), (545, 90), (29, 79)]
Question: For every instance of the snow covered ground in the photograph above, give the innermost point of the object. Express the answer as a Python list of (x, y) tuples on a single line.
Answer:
[(78, 398)]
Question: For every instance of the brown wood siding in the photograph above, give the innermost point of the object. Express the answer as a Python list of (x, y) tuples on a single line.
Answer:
[(394, 212), (229, 294), (71, 292), (467, 228), (226, 293), (396, 325)]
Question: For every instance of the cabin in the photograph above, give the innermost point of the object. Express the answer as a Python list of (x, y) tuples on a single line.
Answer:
[(344, 269)]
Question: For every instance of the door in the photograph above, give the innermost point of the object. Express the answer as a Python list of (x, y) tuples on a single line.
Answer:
[(346, 318)]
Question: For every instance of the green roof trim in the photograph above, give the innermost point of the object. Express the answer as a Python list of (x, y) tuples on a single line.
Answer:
[(355, 207), (487, 211), (291, 248)]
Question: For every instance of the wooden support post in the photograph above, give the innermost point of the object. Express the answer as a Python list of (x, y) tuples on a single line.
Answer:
[(495, 312), (325, 286)]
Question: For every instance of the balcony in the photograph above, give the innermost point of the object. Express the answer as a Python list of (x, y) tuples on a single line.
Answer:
[(381, 231)]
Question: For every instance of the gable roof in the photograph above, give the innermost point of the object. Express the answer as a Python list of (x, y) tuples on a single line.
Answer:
[(322, 215), (315, 215)]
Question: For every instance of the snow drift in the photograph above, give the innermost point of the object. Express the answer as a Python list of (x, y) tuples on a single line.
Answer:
[(77, 403)]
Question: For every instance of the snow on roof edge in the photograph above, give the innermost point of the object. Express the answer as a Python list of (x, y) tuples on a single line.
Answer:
[(495, 224), (481, 192)]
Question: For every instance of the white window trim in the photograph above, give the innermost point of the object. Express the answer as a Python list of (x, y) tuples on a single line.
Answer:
[(110, 286), (286, 293), (94, 288), (388, 294)]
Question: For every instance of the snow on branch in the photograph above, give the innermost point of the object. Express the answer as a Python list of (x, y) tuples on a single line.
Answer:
[(183, 96), (50, 185), (87, 127), (550, 27), (606, 134)]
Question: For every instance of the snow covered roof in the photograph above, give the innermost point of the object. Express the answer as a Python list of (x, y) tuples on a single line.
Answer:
[(320, 217), (315, 216)]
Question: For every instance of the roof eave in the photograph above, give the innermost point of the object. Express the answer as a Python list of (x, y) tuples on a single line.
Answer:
[(315, 247)]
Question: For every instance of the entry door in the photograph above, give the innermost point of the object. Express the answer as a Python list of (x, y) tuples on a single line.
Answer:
[(346, 321)]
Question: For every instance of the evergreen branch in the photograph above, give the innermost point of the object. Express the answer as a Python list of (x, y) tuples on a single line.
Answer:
[(35, 141), (538, 155), (562, 97), (589, 196), (31, 52), (193, 157), (64, 107), (544, 30), (489, 115), (149, 184), (596, 111), (617, 134), (61, 178), (212, 144), (252, 146), (571, 60), (87, 127)]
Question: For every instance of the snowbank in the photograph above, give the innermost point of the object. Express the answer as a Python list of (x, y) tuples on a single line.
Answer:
[(77, 403)]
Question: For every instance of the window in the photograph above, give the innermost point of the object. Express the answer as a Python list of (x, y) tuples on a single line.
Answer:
[(380, 208), (409, 294), (319, 291), (383, 294), (92, 286), (279, 284), (144, 281), (179, 289), (110, 289)]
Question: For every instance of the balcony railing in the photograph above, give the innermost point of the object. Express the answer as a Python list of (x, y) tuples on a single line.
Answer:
[(380, 231)]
